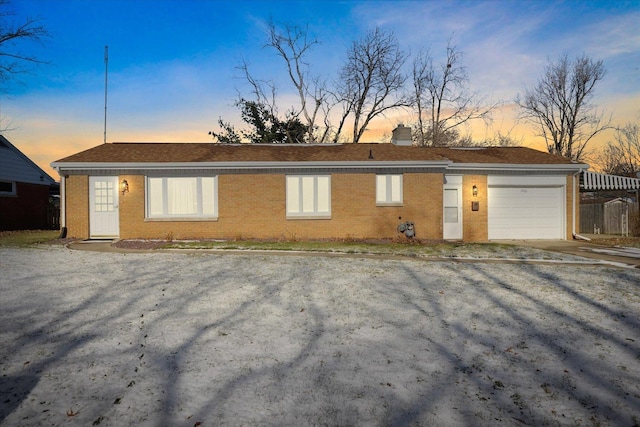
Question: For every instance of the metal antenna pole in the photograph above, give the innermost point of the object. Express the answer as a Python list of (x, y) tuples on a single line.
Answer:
[(106, 72)]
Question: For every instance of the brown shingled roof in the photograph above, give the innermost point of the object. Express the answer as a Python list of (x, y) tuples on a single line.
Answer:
[(500, 155), (212, 152)]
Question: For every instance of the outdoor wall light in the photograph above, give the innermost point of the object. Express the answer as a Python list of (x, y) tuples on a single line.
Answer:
[(124, 187), (475, 190)]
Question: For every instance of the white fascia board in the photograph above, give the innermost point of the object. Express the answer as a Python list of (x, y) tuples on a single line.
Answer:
[(401, 164), (510, 167), (409, 164)]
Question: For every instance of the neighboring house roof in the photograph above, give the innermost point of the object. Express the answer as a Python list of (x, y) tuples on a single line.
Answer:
[(215, 155), (625, 200), (16, 167)]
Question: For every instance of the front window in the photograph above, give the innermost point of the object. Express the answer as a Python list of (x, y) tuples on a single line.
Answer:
[(451, 205), (309, 196), (188, 197), (7, 188), (389, 189)]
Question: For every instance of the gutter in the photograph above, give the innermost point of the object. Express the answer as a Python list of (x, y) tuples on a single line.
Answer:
[(558, 167), (407, 164), (63, 207), (575, 235)]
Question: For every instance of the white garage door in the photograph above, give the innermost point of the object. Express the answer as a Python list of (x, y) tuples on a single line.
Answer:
[(521, 212)]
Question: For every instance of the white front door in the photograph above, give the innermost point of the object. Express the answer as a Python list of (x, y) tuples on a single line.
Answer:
[(452, 208), (104, 214)]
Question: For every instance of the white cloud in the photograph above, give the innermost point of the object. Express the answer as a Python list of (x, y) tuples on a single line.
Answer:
[(612, 36)]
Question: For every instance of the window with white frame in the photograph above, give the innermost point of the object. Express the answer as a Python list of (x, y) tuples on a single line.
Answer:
[(388, 189), (182, 197), (308, 196)]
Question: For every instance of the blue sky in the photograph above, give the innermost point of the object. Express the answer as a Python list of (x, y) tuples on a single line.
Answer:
[(172, 63)]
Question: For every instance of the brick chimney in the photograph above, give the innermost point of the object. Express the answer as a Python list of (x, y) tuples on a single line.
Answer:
[(401, 135)]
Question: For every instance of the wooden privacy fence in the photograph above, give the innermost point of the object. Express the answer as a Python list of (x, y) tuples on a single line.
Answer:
[(614, 217), (53, 213), (53, 217), (617, 216)]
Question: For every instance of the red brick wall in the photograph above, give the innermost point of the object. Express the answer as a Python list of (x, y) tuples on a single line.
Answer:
[(27, 210)]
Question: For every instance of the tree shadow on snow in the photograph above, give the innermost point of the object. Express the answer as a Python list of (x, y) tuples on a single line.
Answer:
[(13, 390), (529, 359), (171, 340)]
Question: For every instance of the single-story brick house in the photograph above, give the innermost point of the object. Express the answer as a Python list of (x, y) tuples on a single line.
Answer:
[(25, 191), (306, 191)]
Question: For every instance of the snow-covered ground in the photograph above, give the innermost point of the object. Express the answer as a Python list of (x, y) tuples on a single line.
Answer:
[(174, 339)]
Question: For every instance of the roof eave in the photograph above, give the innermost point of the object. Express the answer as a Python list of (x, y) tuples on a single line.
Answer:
[(408, 164), (520, 167), (70, 166)]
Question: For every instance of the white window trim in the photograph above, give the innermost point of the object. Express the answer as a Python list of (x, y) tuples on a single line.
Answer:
[(307, 215), (167, 217), (13, 189), (388, 197)]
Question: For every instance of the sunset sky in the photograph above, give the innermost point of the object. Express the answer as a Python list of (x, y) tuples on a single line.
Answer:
[(172, 64)]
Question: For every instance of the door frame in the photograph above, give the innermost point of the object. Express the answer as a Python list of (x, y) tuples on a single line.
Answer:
[(452, 231), (110, 217)]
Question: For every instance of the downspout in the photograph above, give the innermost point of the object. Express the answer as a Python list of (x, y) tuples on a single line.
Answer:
[(63, 207), (576, 236)]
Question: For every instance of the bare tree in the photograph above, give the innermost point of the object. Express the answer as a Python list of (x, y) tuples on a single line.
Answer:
[(504, 140), (345, 97), (12, 61), (422, 66), (622, 155), (264, 123), (442, 99), (292, 44), (558, 106), (263, 91), (371, 80)]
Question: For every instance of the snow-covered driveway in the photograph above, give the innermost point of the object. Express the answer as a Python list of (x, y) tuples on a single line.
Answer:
[(174, 339)]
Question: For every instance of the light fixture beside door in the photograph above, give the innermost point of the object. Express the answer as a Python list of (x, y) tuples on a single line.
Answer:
[(124, 187)]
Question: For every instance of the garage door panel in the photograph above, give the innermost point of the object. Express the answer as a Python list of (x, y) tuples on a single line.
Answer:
[(547, 212), (525, 212), (523, 233)]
